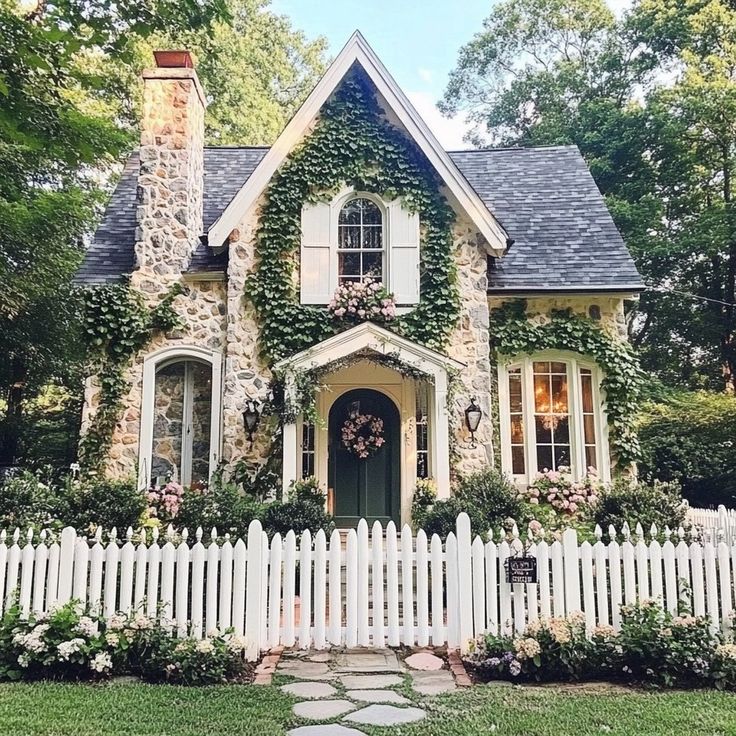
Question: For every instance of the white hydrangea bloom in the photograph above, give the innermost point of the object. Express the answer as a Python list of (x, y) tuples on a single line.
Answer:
[(102, 662), (86, 626), (67, 648), (205, 646)]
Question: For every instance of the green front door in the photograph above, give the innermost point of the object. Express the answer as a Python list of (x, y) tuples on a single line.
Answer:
[(365, 488)]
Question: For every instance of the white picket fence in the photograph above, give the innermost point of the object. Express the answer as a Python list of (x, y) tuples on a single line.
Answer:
[(714, 524), (366, 588)]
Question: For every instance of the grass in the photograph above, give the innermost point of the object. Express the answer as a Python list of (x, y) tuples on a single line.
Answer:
[(132, 709)]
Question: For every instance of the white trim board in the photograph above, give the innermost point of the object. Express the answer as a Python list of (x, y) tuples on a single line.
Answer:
[(357, 50)]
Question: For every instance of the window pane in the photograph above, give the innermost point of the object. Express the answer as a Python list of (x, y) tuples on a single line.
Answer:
[(349, 264), (559, 367), (350, 213), (541, 394), (544, 458), (348, 237), (541, 367), (167, 425), (586, 385), (373, 238), (559, 394), (371, 212), (517, 460), (543, 426), (591, 460), (515, 393), (373, 265), (561, 430), (562, 456), (201, 383), (589, 429), (517, 430)]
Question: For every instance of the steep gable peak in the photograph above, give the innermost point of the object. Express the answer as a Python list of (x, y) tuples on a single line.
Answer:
[(357, 52)]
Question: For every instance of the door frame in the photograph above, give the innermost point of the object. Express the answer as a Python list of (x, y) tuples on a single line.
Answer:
[(399, 389)]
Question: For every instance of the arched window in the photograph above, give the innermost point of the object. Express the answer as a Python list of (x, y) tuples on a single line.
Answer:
[(360, 241), (552, 417), (180, 415), (180, 446)]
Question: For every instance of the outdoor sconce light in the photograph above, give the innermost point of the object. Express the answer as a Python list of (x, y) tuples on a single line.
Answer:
[(473, 415), (251, 417)]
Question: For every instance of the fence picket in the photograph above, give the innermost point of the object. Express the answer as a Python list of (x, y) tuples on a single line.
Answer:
[(141, 563), (225, 615), (601, 578), (81, 561), (199, 555), (423, 590), (289, 583), (491, 563), (127, 563), (558, 580), (39, 582), (670, 574), (655, 569), (479, 584), (364, 555), (253, 590), (504, 590), (66, 564), (274, 591), (305, 590), (453, 614), (96, 562), (543, 569), (26, 578), (112, 555), (698, 586), (351, 577), (571, 560), (586, 563), (335, 585), (407, 587), (628, 555), (3, 566), (724, 578), (210, 562), (11, 582), (711, 586), (465, 579), (642, 565), (438, 612), (240, 563), (320, 589), (154, 576), (181, 599), (392, 585), (377, 603)]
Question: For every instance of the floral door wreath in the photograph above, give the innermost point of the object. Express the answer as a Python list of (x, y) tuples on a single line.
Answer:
[(362, 435)]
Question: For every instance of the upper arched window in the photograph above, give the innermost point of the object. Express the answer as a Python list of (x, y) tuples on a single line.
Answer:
[(360, 241)]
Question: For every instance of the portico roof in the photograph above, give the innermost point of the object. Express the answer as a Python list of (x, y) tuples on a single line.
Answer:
[(372, 338)]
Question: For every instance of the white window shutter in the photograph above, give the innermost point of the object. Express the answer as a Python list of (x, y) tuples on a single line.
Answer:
[(403, 237), (316, 264)]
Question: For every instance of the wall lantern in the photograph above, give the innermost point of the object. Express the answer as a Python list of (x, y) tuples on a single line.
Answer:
[(473, 415), (251, 417)]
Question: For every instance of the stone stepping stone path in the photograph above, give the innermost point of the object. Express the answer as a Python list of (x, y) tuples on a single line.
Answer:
[(353, 685)]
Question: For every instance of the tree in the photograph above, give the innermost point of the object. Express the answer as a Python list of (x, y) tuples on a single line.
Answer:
[(70, 99), (649, 100)]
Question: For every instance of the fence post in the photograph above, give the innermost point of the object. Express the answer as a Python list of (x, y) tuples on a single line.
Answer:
[(66, 564), (572, 570), (253, 592), (453, 600), (465, 580)]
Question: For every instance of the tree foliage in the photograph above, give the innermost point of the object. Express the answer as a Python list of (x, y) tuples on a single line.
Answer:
[(69, 104), (650, 100)]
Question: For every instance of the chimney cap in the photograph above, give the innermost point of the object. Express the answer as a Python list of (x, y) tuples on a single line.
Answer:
[(173, 59)]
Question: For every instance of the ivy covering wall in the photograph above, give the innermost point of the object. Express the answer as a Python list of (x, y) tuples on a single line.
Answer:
[(117, 324), (513, 333), (351, 144)]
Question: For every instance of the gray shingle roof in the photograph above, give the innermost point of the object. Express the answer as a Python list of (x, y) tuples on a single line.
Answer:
[(546, 199), (564, 236)]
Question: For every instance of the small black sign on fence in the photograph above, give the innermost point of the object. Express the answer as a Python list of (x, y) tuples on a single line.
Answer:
[(521, 570)]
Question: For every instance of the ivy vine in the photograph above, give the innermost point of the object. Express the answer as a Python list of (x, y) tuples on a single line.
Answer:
[(117, 324), (513, 334), (351, 144)]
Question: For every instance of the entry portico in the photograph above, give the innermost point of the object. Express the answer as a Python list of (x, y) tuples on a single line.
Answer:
[(368, 358)]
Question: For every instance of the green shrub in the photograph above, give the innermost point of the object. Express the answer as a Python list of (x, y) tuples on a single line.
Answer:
[(104, 503), (441, 518), (690, 437), (281, 516), (425, 496), (223, 507), (307, 490), (629, 501), (28, 501), (653, 647)]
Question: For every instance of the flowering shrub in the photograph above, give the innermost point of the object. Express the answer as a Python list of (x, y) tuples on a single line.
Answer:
[(356, 302), (549, 649), (69, 643), (566, 496), (362, 435), (652, 647), (164, 502), (65, 643), (157, 655), (425, 496)]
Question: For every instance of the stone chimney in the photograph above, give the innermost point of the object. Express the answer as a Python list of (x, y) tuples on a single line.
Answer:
[(170, 181)]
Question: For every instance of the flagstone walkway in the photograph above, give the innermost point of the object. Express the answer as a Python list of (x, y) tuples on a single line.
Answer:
[(361, 687)]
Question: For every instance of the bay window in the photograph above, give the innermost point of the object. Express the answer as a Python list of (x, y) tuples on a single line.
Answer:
[(552, 416)]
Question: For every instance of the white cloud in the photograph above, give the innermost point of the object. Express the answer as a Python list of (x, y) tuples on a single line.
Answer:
[(426, 75), (619, 6), (448, 131)]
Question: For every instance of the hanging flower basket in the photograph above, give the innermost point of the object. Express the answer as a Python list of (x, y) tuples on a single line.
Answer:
[(362, 435)]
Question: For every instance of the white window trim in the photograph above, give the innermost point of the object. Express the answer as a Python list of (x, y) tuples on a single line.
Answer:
[(336, 206), (577, 445), (151, 363)]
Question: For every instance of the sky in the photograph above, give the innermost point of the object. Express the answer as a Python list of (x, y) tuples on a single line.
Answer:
[(417, 40)]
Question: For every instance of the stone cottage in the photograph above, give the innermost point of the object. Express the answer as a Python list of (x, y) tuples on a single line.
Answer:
[(278, 250)]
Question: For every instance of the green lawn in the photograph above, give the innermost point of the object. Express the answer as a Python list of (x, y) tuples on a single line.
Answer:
[(144, 710)]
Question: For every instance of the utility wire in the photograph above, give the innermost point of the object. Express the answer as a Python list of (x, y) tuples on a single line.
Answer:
[(690, 296)]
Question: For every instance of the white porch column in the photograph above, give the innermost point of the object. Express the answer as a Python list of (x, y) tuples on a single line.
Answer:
[(290, 446), (440, 434)]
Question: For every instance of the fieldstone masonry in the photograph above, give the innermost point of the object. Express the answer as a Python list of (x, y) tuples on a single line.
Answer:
[(218, 316)]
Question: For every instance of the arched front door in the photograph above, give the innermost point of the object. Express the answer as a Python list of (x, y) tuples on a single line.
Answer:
[(365, 488)]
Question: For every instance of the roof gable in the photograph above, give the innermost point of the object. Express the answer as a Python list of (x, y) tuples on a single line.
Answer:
[(357, 51)]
